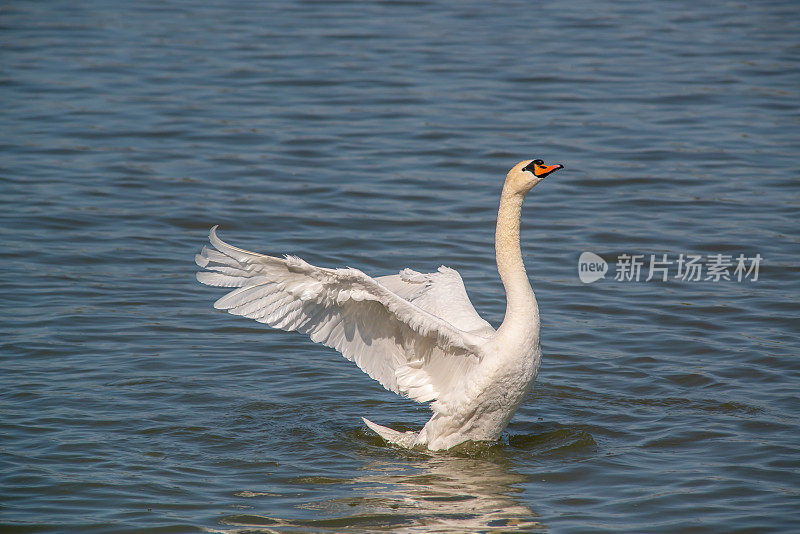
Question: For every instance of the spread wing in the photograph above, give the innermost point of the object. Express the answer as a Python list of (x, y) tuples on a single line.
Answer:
[(442, 294), (403, 346)]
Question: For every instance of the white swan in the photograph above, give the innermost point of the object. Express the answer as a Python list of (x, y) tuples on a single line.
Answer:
[(417, 334)]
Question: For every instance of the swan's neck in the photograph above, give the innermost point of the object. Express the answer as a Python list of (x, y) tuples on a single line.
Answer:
[(522, 313)]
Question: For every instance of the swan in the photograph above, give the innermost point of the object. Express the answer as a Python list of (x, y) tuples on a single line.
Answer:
[(417, 334)]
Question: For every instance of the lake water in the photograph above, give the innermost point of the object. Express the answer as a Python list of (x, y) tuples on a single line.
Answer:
[(377, 135)]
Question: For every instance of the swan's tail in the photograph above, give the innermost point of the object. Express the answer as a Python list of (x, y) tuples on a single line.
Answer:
[(404, 439)]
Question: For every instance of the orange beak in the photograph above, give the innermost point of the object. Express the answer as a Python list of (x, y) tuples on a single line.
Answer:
[(543, 170)]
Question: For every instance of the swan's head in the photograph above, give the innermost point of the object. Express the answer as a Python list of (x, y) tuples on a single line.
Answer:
[(528, 173)]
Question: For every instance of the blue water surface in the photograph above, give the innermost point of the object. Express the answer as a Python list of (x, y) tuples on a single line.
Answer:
[(377, 135)]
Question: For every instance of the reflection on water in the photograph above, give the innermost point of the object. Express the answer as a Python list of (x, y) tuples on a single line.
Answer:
[(430, 493)]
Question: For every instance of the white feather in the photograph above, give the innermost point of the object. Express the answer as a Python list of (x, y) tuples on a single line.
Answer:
[(402, 345)]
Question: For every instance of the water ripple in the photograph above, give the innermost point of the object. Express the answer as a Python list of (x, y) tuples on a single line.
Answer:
[(376, 135)]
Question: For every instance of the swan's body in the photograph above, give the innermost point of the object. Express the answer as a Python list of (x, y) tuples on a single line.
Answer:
[(417, 334)]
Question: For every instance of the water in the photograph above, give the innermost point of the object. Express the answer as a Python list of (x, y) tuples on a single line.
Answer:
[(377, 135)]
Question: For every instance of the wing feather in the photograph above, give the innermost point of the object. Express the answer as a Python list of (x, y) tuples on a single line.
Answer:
[(442, 294), (400, 344)]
